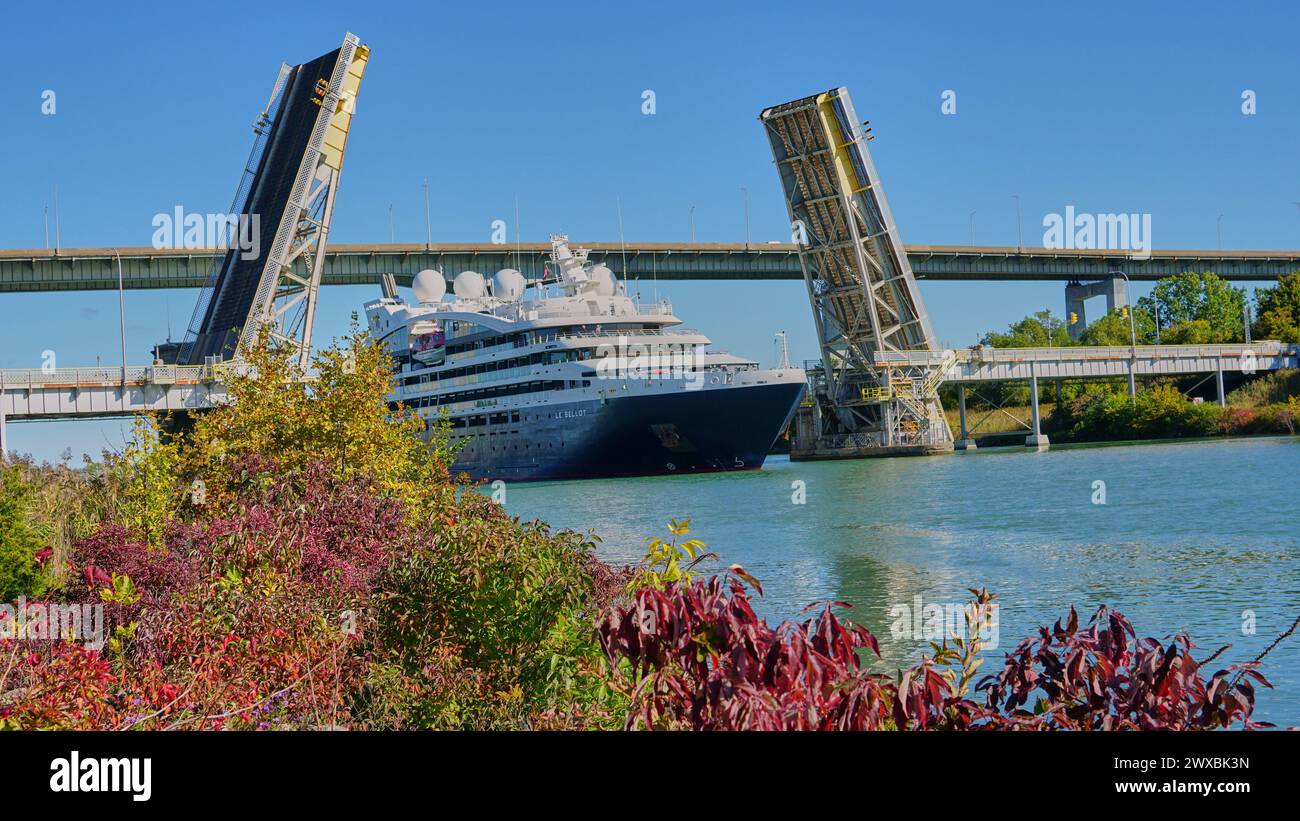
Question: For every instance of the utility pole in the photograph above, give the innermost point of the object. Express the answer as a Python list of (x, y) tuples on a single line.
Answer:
[(1132, 335), (428, 222), (121, 313), (58, 237), (747, 237), (1020, 230)]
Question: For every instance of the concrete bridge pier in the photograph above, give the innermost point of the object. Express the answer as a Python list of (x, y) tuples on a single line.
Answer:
[(1036, 439), (4, 435), (964, 441), (1077, 294)]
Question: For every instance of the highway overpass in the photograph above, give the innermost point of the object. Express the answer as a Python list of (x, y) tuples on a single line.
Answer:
[(92, 269)]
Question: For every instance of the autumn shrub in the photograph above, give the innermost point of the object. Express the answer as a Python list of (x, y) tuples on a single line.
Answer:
[(693, 655), (514, 602), (1279, 417), (302, 558)]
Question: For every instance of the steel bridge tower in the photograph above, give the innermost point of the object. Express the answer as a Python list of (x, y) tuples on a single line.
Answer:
[(865, 300), (270, 273)]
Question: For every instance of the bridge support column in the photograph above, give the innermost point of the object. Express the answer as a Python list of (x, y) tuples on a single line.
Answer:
[(965, 442), (1218, 381), (1114, 289), (1036, 439), (4, 435)]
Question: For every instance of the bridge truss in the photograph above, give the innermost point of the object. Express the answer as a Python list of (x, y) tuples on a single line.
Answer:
[(864, 297), (286, 194)]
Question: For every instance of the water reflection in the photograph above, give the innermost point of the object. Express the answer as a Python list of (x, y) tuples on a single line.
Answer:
[(1192, 536)]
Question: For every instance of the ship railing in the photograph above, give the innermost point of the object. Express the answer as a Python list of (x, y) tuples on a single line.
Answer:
[(643, 332)]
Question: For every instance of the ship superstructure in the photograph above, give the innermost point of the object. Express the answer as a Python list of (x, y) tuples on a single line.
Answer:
[(572, 377)]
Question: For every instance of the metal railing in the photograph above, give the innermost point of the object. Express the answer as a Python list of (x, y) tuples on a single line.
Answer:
[(112, 376), (1084, 353)]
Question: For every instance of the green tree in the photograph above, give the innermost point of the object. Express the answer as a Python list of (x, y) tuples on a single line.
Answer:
[(1114, 328), (1040, 330), (340, 415), (1198, 298), (1278, 314)]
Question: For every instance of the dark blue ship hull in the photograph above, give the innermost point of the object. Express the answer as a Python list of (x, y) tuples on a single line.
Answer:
[(685, 432)]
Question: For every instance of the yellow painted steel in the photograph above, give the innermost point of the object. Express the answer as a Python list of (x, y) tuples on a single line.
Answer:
[(836, 140), (337, 136)]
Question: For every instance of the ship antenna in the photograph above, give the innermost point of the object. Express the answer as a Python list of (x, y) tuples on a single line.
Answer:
[(621, 240)]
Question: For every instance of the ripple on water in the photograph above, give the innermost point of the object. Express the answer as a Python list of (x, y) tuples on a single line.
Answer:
[(1193, 536)]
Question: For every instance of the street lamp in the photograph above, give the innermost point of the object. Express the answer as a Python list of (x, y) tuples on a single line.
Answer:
[(1020, 231), (972, 227), (1218, 227), (121, 312), (692, 223), (1132, 335), (746, 190)]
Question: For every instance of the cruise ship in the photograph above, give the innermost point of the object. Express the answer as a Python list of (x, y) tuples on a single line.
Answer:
[(571, 377)]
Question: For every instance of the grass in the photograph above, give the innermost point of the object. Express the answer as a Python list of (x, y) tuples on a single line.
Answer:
[(985, 421)]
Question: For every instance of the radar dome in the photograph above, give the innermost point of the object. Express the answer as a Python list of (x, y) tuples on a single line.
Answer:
[(508, 284), (606, 283), (469, 285), (429, 287)]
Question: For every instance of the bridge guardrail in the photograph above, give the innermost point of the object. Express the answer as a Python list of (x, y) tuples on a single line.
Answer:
[(111, 376), (1267, 347)]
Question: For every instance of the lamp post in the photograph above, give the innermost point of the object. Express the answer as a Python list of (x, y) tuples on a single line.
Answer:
[(1132, 335), (1020, 230), (746, 191), (1218, 227), (972, 227), (692, 215), (121, 312), (428, 223)]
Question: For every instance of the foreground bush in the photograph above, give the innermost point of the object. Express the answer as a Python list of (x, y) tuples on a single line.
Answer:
[(271, 567), (303, 558), (695, 656)]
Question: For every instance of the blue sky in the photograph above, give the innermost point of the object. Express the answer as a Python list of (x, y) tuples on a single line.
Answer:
[(1109, 107)]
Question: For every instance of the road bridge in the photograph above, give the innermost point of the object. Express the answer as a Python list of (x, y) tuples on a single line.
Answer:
[(95, 269), (977, 365), (97, 393)]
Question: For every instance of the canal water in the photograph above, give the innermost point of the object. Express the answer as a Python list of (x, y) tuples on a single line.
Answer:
[(1196, 536)]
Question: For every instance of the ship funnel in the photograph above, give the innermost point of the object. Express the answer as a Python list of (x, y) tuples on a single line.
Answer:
[(429, 287)]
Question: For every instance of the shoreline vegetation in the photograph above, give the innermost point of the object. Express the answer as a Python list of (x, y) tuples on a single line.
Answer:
[(303, 559), (1269, 405), (1189, 309)]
